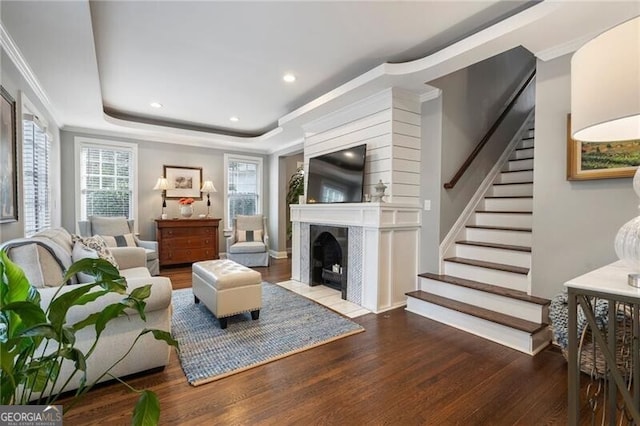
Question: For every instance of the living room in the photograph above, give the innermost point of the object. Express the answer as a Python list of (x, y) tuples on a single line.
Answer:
[(44, 43)]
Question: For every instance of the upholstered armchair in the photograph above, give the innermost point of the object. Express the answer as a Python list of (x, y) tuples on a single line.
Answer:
[(248, 244), (121, 229)]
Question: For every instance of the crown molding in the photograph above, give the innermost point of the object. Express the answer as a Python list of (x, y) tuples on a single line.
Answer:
[(430, 95), (565, 48), (13, 52)]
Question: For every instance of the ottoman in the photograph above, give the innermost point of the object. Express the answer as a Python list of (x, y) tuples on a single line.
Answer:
[(227, 288)]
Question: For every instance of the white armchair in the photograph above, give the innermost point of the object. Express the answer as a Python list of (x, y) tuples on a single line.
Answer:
[(248, 244), (120, 227)]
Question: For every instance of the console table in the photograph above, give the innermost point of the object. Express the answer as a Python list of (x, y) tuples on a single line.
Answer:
[(607, 283), (187, 240)]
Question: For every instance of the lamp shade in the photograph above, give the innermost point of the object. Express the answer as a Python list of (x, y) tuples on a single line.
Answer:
[(605, 86), (207, 187), (162, 184)]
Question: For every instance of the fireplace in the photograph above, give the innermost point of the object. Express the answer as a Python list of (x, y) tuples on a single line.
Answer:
[(328, 257)]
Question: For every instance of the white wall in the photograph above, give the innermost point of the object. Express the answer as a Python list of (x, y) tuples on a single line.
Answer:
[(389, 124), (152, 156), (574, 223)]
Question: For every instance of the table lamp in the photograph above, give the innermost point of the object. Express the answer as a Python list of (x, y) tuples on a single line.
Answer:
[(162, 184), (207, 188)]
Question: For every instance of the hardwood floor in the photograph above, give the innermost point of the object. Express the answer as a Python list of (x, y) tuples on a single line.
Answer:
[(403, 370)]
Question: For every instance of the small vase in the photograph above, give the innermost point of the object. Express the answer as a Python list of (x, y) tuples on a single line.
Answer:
[(186, 210)]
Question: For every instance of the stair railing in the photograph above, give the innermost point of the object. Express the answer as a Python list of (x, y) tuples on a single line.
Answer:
[(465, 166)]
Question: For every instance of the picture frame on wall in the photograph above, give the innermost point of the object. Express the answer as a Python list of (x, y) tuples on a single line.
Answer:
[(601, 160), (8, 164), (185, 182)]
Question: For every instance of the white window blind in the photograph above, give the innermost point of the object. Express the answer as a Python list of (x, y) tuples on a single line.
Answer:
[(36, 153), (243, 186), (106, 181)]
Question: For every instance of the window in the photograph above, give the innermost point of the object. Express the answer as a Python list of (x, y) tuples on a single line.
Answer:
[(243, 186), (107, 179), (36, 165)]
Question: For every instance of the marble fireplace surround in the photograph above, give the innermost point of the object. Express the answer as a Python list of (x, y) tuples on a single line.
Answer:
[(383, 249)]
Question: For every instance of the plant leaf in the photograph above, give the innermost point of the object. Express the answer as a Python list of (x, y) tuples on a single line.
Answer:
[(147, 410), (162, 335), (94, 267), (20, 315), (76, 356), (45, 330), (141, 293), (18, 287), (59, 306)]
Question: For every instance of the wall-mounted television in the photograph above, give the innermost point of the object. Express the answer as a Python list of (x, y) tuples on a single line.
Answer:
[(337, 177)]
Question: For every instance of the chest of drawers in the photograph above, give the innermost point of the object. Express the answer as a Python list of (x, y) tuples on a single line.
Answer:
[(187, 240)]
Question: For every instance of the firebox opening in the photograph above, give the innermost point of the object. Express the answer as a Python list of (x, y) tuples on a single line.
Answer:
[(329, 259)]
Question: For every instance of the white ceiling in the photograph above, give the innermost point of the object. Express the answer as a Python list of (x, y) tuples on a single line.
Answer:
[(208, 61)]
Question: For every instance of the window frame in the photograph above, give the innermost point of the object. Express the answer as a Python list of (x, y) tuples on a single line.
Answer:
[(27, 108), (228, 158), (81, 142)]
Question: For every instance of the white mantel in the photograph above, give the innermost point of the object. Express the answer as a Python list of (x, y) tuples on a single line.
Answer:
[(383, 254)]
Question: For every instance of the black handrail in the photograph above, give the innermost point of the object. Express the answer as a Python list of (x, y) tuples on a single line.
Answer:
[(461, 171)]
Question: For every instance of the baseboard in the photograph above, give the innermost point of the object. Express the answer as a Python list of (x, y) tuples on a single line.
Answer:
[(278, 254)]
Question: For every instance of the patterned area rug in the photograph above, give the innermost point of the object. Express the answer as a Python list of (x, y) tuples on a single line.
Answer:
[(288, 324)]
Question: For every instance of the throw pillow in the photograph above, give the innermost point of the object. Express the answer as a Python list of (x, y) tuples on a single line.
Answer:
[(80, 251), (125, 240), (249, 235), (99, 245)]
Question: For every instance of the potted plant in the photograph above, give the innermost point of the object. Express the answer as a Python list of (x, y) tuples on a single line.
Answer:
[(296, 189), (35, 342)]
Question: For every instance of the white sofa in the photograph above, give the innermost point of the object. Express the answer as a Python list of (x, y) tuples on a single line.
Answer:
[(45, 256)]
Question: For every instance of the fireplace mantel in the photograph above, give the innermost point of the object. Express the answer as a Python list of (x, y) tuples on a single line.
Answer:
[(384, 259)]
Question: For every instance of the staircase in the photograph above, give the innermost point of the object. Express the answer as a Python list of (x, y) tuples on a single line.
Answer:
[(485, 286)]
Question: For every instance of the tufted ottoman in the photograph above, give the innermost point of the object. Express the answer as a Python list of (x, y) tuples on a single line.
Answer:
[(227, 288)]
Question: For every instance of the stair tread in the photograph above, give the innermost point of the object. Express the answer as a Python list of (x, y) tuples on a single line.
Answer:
[(516, 171), (495, 245), (500, 228), (522, 159), (503, 211), (489, 265), (515, 183), (522, 149), (528, 139), (487, 288), (476, 311), (509, 196)]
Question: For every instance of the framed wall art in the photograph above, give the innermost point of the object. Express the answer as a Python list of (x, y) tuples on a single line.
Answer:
[(8, 164), (601, 160), (185, 182)]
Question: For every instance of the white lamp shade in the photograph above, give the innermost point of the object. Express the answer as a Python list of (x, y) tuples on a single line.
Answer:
[(605, 86), (207, 187), (162, 184)]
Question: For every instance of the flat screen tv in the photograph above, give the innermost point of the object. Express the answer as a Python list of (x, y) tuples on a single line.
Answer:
[(337, 177)]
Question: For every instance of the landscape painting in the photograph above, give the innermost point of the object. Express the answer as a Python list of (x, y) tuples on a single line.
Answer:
[(185, 182), (601, 160)]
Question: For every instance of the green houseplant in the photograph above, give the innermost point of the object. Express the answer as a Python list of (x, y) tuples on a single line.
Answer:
[(34, 342), (295, 189)]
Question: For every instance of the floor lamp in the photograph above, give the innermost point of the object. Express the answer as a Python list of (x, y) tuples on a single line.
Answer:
[(207, 188), (162, 184)]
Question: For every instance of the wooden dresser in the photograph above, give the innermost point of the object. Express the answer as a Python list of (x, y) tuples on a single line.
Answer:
[(187, 240)]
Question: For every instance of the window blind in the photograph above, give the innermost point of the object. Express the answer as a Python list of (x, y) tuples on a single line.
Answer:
[(243, 187), (106, 181), (36, 152)]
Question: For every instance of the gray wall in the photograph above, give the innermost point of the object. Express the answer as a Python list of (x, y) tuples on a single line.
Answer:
[(13, 82), (431, 184), (574, 223), (472, 99), (152, 156), (291, 165)]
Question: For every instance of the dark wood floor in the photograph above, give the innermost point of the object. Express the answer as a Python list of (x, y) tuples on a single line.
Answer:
[(403, 370)]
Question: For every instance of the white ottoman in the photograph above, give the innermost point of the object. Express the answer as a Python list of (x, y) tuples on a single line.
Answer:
[(227, 288)]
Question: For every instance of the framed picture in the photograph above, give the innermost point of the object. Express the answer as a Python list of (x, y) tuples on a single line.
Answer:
[(601, 160), (8, 167), (185, 182)]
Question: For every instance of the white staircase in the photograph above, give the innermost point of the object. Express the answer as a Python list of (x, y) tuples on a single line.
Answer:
[(484, 288)]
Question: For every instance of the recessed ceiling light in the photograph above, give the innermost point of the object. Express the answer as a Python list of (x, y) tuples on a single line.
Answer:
[(289, 78), (234, 119), (156, 105)]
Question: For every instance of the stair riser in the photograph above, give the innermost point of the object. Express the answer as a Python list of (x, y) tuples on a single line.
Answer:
[(489, 254), (520, 165), (486, 275), (513, 190), (505, 305), (516, 339), (522, 153), (503, 219), (527, 143), (516, 177), (499, 237), (508, 204)]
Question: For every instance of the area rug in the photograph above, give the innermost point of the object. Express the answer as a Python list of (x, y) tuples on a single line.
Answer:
[(288, 324)]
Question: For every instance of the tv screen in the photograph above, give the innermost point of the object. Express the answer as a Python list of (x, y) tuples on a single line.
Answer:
[(337, 177)]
